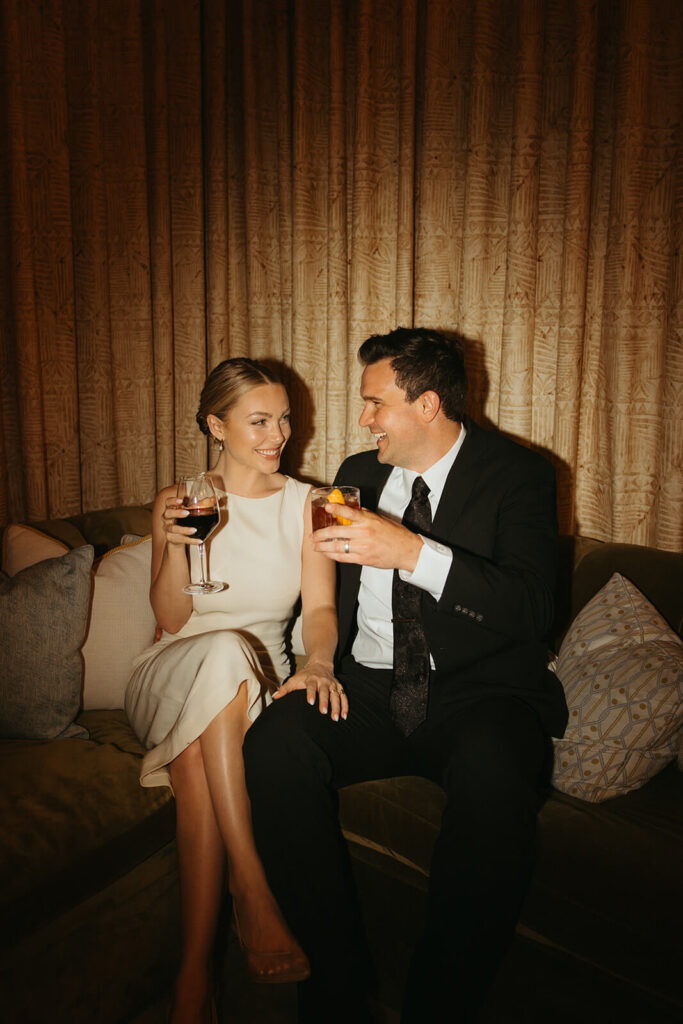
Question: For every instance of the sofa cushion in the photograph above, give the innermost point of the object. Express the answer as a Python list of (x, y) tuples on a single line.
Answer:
[(104, 958), (61, 530), (607, 886), (393, 824), (621, 666), (121, 625), (75, 818), (656, 573), (43, 617), (104, 528), (23, 546)]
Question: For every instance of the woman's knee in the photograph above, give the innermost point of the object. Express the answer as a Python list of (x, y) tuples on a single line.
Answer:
[(187, 765), (222, 646)]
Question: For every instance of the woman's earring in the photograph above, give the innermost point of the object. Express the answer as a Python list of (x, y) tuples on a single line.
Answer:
[(218, 441)]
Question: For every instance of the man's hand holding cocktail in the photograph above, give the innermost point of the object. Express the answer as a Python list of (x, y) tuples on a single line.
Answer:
[(370, 539)]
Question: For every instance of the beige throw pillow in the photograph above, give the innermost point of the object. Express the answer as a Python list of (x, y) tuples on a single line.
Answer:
[(122, 623), (621, 666), (23, 546)]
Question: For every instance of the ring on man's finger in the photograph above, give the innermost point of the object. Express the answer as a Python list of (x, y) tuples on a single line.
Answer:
[(346, 547)]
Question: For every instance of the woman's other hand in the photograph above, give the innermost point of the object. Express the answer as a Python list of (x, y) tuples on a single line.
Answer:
[(318, 680)]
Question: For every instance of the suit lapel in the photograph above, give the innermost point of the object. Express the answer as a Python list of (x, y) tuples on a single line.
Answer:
[(380, 476), (460, 480), (370, 489)]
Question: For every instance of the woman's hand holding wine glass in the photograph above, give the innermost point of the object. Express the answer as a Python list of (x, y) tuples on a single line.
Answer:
[(200, 501)]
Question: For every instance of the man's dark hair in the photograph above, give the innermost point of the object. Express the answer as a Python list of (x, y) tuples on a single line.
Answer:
[(422, 360)]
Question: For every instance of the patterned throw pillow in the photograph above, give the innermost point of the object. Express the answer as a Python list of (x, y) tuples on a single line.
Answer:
[(43, 617), (621, 666)]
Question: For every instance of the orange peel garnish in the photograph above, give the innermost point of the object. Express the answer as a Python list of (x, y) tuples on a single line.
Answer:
[(336, 497)]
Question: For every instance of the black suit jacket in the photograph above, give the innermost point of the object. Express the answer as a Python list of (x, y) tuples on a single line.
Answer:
[(487, 633)]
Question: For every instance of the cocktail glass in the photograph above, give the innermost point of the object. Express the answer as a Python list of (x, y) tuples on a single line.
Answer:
[(321, 496)]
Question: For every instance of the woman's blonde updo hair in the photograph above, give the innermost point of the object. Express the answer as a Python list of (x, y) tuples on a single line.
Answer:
[(226, 384)]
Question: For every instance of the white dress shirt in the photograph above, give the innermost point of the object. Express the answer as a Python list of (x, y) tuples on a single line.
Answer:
[(374, 643)]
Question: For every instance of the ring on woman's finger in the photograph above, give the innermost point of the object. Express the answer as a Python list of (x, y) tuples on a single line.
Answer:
[(346, 547)]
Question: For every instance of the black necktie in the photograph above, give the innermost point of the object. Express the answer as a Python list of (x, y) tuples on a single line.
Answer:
[(409, 691)]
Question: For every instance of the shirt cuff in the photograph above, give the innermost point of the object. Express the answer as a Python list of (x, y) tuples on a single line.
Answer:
[(432, 568)]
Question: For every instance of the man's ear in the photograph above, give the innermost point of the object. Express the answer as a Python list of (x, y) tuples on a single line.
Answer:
[(429, 404)]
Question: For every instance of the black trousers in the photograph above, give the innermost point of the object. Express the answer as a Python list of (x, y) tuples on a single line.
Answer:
[(491, 756)]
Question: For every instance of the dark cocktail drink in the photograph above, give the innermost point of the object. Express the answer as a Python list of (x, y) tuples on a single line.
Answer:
[(321, 496)]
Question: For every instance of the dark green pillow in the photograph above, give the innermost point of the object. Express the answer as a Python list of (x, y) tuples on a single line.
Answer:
[(43, 619)]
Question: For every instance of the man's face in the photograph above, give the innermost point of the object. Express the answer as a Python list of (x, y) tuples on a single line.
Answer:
[(395, 423)]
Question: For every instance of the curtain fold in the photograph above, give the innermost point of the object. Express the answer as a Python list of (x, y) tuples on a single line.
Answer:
[(187, 180)]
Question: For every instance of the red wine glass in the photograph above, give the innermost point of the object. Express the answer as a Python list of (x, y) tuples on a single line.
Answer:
[(200, 499)]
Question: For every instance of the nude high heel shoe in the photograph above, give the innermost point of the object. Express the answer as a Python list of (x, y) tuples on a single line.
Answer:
[(275, 968)]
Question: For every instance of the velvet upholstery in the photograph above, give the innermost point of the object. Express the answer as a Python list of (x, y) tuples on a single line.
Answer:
[(104, 958), (86, 824), (102, 529), (588, 564), (606, 890), (88, 887)]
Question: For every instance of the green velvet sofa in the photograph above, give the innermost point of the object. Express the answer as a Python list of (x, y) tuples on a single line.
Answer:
[(89, 886)]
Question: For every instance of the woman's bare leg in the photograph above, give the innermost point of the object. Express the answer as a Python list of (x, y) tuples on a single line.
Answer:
[(213, 815), (262, 927), (201, 857)]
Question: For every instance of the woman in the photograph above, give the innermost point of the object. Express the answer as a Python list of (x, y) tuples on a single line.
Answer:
[(195, 692)]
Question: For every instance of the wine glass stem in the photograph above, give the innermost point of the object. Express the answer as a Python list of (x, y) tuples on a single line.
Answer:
[(202, 569)]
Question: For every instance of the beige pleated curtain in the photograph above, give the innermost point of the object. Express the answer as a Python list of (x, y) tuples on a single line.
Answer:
[(183, 181)]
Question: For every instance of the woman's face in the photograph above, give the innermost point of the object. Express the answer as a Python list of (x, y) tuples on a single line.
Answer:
[(257, 428)]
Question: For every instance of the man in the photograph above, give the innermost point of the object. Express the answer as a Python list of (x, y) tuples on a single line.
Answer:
[(456, 543)]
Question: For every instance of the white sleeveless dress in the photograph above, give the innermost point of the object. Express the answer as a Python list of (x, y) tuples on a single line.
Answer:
[(185, 679)]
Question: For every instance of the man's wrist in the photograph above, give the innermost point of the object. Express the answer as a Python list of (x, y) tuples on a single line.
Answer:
[(413, 554), (431, 569)]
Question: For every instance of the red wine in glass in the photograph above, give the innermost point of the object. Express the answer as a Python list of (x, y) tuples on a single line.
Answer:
[(201, 501), (204, 520)]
